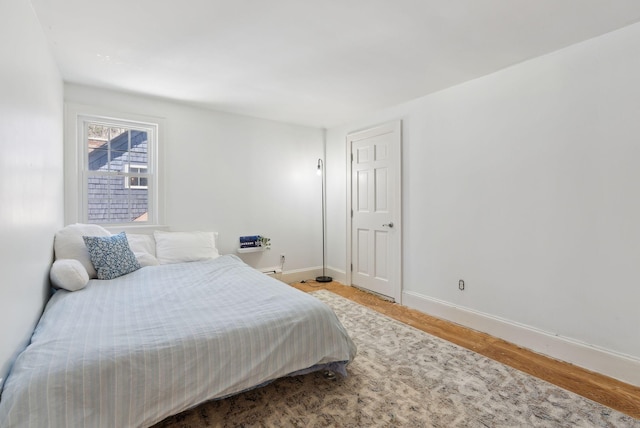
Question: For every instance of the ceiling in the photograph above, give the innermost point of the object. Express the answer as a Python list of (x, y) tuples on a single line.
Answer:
[(316, 62)]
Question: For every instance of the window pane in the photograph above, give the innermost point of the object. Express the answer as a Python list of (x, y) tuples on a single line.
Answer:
[(138, 153), (139, 204), (118, 161), (119, 143), (98, 199), (98, 132), (115, 133), (94, 143), (110, 148), (119, 211), (98, 160), (137, 182), (109, 201), (137, 138)]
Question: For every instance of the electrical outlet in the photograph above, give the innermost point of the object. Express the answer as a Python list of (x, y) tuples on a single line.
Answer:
[(281, 258), (461, 285)]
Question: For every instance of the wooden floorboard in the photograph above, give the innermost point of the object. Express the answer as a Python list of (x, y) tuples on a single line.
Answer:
[(602, 389)]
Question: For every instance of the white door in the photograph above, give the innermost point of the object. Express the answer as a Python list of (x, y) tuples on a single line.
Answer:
[(374, 235)]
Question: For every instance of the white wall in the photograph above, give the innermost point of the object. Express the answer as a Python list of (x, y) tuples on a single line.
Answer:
[(524, 183), (31, 173), (232, 174)]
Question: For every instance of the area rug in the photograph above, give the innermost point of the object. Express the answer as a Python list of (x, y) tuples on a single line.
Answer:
[(403, 377)]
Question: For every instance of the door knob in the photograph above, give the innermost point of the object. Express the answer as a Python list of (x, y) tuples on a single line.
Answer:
[(390, 224)]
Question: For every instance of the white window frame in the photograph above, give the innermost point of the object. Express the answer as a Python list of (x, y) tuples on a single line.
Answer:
[(76, 163)]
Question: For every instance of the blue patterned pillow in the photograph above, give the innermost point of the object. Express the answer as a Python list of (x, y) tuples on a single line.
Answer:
[(111, 255)]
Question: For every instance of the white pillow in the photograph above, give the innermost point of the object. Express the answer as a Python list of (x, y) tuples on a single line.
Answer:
[(140, 243), (68, 244), (146, 259), (144, 248), (176, 247), (69, 274)]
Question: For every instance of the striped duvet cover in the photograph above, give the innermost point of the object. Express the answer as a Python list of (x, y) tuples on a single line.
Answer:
[(131, 351)]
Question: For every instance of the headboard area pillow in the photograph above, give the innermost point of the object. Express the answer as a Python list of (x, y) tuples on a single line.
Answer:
[(68, 244), (176, 247), (69, 274), (111, 255), (144, 247)]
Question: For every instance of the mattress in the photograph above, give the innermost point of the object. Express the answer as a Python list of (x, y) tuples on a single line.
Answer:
[(134, 350)]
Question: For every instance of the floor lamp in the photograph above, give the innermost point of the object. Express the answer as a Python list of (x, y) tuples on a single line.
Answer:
[(324, 277)]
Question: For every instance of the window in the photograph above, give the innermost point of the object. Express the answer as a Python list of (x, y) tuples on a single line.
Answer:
[(118, 173), (136, 181)]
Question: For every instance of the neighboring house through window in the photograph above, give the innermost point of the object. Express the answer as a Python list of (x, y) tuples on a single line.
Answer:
[(136, 181), (118, 174)]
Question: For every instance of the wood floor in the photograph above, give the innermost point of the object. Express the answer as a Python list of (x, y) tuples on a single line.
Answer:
[(602, 389)]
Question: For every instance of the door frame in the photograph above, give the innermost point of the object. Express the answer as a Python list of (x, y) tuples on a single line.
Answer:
[(385, 128)]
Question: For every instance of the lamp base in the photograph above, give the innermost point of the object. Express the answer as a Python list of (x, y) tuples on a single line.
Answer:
[(324, 279)]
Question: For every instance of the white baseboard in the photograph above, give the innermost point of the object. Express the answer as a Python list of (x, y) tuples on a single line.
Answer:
[(298, 275), (307, 274), (273, 272), (337, 275), (606, 362)]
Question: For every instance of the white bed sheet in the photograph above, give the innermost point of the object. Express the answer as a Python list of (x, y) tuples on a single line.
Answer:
[(134, 350)]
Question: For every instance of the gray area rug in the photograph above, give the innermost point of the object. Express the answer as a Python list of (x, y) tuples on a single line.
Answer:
[(403, 377)]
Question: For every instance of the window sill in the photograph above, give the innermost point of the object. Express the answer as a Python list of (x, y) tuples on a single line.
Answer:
[(134, 228)]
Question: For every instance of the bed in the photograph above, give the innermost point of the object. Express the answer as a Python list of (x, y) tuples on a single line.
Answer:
[(130, 351)]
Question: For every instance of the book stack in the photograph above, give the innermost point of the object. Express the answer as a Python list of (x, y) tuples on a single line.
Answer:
[(250, 241)]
